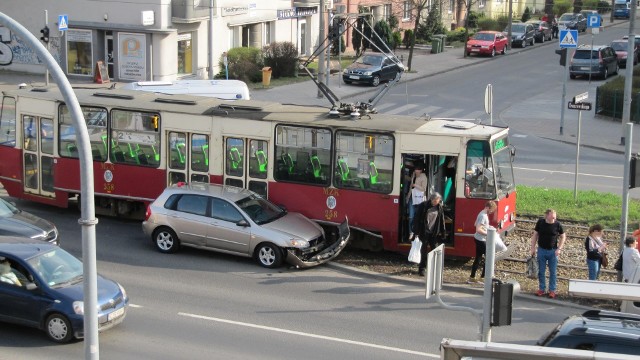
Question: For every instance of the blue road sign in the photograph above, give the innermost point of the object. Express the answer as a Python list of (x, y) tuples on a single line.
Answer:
[(568, 38), (63, 22), (593, 21)]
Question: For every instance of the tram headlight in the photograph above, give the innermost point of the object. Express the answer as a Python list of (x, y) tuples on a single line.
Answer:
[(299, 243)]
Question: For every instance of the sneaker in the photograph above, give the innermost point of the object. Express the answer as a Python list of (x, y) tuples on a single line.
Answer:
[(552, 294), (541, 293), (472, 281), (421, 272)]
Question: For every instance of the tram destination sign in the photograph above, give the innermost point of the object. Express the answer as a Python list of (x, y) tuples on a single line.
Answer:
[(580, 106)]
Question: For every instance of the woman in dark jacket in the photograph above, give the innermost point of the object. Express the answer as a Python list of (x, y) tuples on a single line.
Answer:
[(429, 226), (595, 247)]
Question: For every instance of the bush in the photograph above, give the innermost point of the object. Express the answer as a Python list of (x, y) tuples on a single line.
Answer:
[(526, 15), (489, 24), (456, 35), (335, 43), (382, 42), (282, 57), (503, 21), (406, 38), (610, 97), (397, 40), (603, 7), (473, 19), (562, 6), (245, 63)]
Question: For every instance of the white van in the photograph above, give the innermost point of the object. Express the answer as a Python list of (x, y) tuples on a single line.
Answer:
[(221, 89)]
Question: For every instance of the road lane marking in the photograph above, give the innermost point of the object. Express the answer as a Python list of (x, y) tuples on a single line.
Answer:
[(299, 333), (135, 306), (568, 173)]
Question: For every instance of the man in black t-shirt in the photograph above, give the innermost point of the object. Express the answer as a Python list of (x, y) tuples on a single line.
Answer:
[(549, 237)]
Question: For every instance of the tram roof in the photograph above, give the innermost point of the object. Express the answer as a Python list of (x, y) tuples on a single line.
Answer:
[(261, 110)]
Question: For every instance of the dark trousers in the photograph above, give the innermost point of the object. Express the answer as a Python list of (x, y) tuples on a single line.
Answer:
[(424, 251), (481, 249)]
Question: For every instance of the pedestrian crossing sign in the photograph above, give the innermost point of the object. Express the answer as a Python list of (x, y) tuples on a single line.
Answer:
[(63, 22), (568, 38)]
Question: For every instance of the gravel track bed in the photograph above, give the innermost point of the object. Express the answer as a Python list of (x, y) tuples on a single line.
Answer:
[(571, 265)]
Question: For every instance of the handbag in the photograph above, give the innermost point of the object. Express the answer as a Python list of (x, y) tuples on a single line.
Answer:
[(532, 267), (604, 260), (414, 253), (618, 264)]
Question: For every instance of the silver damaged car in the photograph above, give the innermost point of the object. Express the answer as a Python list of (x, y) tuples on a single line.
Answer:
[(237, 221)]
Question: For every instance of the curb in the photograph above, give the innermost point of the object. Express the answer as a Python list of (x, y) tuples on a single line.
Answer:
[(448, 287)]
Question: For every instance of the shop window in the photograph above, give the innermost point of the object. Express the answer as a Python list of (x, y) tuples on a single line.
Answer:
[(79, 52), (185, 54)]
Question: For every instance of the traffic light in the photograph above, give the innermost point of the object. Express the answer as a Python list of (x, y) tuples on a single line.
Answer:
[(45, 34), (634, 173), (563, 56)]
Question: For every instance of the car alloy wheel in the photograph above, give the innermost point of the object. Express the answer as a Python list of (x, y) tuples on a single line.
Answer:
[(493, 52), (605, 74), (504, 50), (269, 255), (376, 80), (524, 44), (58, 328), (166, 240), (542, 40)]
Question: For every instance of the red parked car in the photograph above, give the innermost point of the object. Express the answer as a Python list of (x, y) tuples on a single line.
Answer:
[(487, 43), (620, 47)]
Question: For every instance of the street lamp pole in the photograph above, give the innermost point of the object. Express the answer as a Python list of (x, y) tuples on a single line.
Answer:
[(626, 107), (321, 64)]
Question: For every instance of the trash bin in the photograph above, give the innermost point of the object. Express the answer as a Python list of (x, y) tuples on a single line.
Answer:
[(266, 76), (435, 45)]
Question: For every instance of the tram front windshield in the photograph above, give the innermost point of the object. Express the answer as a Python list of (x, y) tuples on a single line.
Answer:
[(487, 176)]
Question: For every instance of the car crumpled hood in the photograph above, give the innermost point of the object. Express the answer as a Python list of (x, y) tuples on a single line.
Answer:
[(296, 225), (327, 254), (24, 224)]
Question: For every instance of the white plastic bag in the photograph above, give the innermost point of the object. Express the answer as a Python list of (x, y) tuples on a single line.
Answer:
[(532, 267), (414, 253), (500, 246)]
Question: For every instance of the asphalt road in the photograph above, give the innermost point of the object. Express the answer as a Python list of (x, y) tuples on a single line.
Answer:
[(202, 305)]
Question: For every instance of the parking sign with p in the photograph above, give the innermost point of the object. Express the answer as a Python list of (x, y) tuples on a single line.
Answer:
[(593, 21)]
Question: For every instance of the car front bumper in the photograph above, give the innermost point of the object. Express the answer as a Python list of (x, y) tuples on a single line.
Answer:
[(357, 78), (327, 254)]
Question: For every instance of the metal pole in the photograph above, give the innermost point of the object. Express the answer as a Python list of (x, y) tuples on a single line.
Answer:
[(339, 59), (626, 108), (46, 70), (491, 100), (489, 262), (321, 45), (510, 22), (575, 180), (210, 35), (88, 220), (625, 183), (563, 102), (590, 59)]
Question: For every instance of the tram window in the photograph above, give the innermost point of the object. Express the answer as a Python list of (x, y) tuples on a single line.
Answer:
[(235, 157), (8, 122), (134, 138), (46, 136), (303, 155), (364, 161), (96, 120), (503, 165), (200, 153), (177, 150), (479, 181), (258, 159), (29, 133)]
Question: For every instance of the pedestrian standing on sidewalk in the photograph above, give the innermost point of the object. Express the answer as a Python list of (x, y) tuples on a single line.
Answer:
[(429, 226), (630, 258), (548, 236), (595, 247), (416, 194), (480, 239)]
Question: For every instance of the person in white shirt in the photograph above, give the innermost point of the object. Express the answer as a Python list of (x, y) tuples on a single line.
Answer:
[(480, 238), (630, 258), (6, 275)]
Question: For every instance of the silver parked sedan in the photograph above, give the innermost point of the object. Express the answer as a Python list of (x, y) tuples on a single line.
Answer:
[(237, 221)]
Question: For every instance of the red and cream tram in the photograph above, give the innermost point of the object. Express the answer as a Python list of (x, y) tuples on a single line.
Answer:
[(297, 156)]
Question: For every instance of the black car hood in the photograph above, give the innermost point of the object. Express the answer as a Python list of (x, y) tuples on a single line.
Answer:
[(24, 224), (363, 67)]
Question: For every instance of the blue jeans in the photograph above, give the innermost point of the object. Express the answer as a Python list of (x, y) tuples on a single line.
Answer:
[(412, 214), (594, 269), (547, 257)]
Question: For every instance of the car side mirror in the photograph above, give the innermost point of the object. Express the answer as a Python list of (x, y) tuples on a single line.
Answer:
[(243, 223), (31, 286)]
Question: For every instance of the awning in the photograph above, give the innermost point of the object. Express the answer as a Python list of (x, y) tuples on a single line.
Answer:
[(252, 20), (118, 27)]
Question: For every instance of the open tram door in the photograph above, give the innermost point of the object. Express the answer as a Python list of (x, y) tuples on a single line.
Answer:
[(440, 171), (245, 164), (187, 158), (37, 155)]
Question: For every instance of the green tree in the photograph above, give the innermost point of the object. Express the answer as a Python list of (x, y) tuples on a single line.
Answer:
[(433, 24), (383, 37), (393, 22), (338, 42), (356, 37), (526, 15), (577, 6), (562, 6)]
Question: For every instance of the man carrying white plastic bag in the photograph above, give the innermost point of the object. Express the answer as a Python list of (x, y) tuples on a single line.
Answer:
[(414, 253)]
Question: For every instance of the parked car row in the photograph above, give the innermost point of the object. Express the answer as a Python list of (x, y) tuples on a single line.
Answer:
[(522, 34)]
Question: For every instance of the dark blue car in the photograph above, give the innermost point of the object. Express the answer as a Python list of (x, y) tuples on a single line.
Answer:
[(41, 286)]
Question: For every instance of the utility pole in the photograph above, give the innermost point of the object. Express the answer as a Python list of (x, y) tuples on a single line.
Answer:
[(46, 26), (626, 107), (510, 22), (211, 7), (321, 64)]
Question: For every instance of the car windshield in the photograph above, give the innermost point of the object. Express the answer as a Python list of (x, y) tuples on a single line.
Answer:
[(483, 37), (57, 268), (619, 46), (620, 6), (6, 209), (517, 28), (567, 17), (586, 54), (370, 60), (260, 210)]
